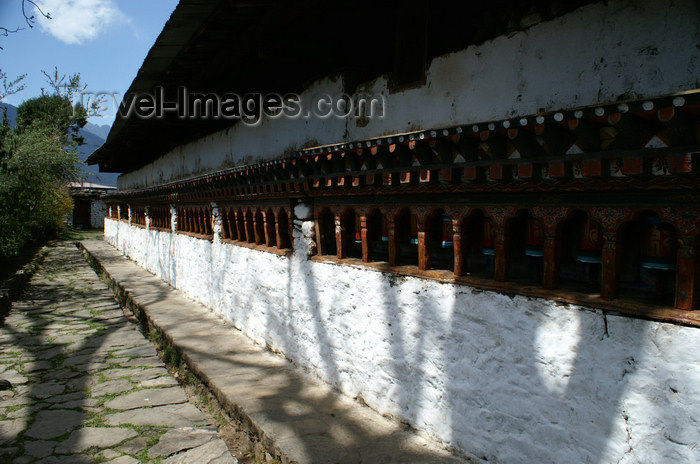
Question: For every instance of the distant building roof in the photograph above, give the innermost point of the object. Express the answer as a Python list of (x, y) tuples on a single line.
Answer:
[(89, 186)]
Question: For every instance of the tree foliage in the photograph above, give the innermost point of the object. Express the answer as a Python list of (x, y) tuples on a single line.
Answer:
[(37, 160), (55, 109)]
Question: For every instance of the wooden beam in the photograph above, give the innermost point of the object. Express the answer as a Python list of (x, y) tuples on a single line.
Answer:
[(468, 147), (496, 143), (523, 141), (680, 129), (628, 136), (554, 138)]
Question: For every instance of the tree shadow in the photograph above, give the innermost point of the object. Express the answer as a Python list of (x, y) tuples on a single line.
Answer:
[(507, 379), (61, 367)]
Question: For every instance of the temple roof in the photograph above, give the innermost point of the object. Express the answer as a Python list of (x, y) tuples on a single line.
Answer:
[(221, 46)]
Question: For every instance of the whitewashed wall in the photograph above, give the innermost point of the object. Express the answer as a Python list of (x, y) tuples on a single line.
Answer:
[(604, 52), (507, 379)]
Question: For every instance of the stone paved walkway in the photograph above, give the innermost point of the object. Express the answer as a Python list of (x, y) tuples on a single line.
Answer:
[(297, 418), (88, 387)]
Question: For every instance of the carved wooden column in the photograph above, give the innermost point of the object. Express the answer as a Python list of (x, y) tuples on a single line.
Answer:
[(202, 229), (498, 216), (423, 249), (365, 238), (278, 234), (550, 216), (457, 244), (259, 237), (550, 278), (268, 226), (686, 274), (391, 235), (610, 220), (232, 227), (500, 262), (246, 226), (340, 237), (320, 243), (609, 266), (240, 225)]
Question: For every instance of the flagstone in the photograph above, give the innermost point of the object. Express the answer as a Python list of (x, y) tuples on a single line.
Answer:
[(54, 423), (97, 437), (148, 397)]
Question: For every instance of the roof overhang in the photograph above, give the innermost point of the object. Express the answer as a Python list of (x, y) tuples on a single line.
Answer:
[(243, 46)]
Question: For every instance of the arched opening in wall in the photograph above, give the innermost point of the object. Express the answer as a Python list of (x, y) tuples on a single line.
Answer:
[(208, 225), (378, 236), (189, 220), (160, 217), (240, 225), (478, 245), (225, 229), (180, 218), (647, 250), (184, 220), (250, 227), (199, 227), (194, 214), (270, 234), (580, 253), (228, 222), (406, 230), (440, 241), (352, 228), (283, 227), (326, 229), (192, 220), (259, 228), (123, 212), (525, 249)]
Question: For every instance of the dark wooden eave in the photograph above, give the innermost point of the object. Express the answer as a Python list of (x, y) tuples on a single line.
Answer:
[(265, 46)]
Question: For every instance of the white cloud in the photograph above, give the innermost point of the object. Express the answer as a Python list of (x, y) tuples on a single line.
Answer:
[(78, 21)]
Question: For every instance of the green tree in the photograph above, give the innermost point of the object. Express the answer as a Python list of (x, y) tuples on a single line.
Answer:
[(37, 160), (34, 194), (55, 109)]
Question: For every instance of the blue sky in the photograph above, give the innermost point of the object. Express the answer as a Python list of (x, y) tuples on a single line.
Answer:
[(105, 41)]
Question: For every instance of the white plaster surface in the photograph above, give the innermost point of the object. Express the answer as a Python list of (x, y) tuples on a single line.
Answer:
[(507, 379), (604, 52)]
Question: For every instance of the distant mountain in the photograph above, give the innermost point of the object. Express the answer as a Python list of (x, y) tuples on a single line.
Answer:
[(91, 143), (94, 135), (11, 113), (99, 130)]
